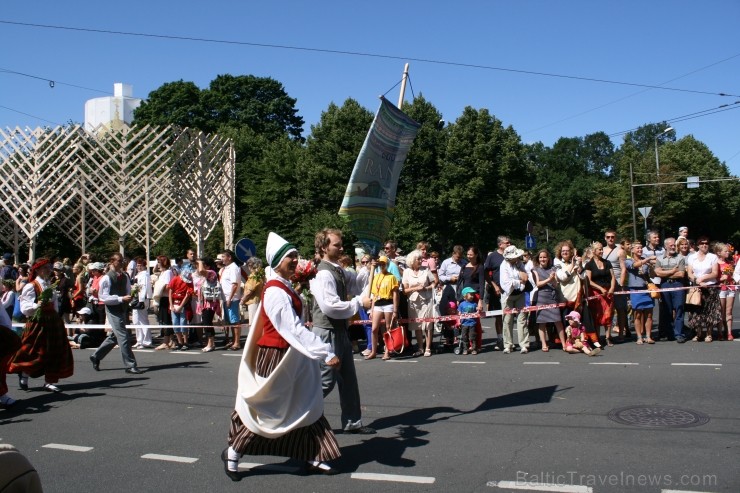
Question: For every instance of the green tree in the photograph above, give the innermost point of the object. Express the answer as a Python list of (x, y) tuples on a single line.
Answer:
[(331, 152), (173, 103), (259, 103), (418, 211), (484, 182)]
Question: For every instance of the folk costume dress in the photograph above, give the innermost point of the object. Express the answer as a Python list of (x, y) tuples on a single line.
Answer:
[(279, 403), (44, 347)]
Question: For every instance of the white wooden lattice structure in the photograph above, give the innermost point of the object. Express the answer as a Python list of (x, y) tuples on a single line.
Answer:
[(139, 181)]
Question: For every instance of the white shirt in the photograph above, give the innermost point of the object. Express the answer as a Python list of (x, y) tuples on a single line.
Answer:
[(324, 290), (279, 309), (736, 274), (231, 275), (104, 291), (144, 281), (704, 267), (510, 280), (28, 297)]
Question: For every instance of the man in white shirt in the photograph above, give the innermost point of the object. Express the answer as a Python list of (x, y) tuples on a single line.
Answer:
[(114, 291), (231, 281), (513, 281), (331, 289)]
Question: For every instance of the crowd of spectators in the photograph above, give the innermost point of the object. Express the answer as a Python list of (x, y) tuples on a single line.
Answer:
[(613, 287)]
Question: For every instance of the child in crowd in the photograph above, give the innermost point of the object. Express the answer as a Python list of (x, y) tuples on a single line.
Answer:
[(575, 336), (468, 333)]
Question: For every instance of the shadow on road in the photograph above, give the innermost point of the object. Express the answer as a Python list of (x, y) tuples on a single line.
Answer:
[(390, 450)]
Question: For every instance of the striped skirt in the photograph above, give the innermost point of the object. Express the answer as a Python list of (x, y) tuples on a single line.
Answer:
[(312, 442)]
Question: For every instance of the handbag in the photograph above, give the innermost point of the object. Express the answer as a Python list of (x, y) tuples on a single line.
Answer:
[(654, 293), (693, 297), (395, 339)]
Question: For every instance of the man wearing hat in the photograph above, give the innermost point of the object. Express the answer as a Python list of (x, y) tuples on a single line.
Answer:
[(115, 292), (513, 282), (330, 289)]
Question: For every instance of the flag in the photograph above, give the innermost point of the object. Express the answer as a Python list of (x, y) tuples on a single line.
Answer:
[(370, 199)]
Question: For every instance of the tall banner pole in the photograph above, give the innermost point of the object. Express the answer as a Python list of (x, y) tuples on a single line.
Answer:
[(403, 85)]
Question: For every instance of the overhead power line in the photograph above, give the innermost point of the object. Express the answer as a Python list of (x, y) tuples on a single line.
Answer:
[(52, 81), (689, 116), (358, 53)]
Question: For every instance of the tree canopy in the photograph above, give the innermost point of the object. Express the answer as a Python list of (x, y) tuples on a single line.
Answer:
[(464, 182)]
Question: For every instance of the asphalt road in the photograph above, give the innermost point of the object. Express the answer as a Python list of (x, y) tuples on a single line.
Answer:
[(490, 422)]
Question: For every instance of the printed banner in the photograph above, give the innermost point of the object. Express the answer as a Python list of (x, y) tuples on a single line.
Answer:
[(370, 199)]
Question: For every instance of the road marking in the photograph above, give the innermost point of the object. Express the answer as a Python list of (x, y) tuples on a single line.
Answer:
[(534, 486), (696, 364), (402, 360), (237, 355), (614, 363), (541, 362), (396, 478), (170, 458), (246, 466), (73, 448), (468, 362), (143, 350)]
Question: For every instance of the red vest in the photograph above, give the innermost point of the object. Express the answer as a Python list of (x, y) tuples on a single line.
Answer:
[(270, 336)]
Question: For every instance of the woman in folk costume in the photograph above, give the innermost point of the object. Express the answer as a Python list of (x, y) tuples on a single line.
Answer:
[(44, 347), (279, 402)]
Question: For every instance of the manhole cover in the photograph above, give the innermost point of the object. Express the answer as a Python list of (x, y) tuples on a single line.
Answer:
[(658, 417)]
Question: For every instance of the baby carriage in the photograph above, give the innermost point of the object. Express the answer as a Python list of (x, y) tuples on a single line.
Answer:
[(448, 330)]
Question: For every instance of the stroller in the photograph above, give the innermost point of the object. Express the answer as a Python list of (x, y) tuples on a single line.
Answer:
[(449, 331)]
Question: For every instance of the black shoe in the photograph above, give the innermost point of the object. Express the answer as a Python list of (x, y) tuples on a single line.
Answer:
[(680, 339), (233, 475), (311, 469), (362, 430), (21, 385), (134, 371), (95, 362)]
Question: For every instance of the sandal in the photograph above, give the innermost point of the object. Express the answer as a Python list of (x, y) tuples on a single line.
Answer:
[(417, 354), (650, 341), (545, 349), (370, 356), (208, 349), (161, 347), (609, 342), (639, 341), (695, 339), (428, 353), (385, 357), (235, 348), (708, 338)]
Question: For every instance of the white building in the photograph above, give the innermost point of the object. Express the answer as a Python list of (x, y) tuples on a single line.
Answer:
[(113, 112)]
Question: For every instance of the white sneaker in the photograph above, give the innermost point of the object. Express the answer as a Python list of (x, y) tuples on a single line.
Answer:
[(6, 401), (507, 351), (524, 350)]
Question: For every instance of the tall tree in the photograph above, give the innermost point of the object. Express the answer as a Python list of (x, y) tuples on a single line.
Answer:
[(173, 103), (331, 152), (417, 209), (259, 103), (484, 182)]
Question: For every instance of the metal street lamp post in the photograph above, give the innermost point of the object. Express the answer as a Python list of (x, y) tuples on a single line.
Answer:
[(657, 164)]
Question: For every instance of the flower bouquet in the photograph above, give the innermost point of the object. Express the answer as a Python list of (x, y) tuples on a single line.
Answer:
[(304, 272), (45, 302), (135, 304)]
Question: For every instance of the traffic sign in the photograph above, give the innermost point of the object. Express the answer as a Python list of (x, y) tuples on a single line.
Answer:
[(245, 249), (645, 211), (530, 242)]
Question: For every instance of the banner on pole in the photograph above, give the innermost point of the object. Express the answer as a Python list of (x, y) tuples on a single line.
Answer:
[(370, 199)]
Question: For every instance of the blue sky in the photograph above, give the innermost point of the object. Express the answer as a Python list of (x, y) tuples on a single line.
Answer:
[(685, 45)]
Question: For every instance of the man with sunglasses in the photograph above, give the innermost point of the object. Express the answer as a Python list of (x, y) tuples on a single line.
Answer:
[(615, 254)]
